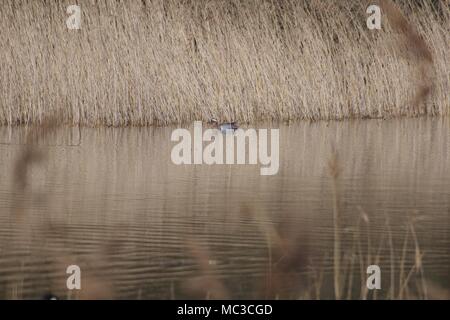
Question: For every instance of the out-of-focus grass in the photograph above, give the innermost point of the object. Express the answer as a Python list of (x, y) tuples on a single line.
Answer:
[(287, 252)]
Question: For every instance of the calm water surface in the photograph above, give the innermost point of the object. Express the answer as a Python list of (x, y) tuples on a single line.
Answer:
[(112, 202)]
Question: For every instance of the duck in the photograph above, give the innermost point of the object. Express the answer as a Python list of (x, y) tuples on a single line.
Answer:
[(50, 296), (225, 127)]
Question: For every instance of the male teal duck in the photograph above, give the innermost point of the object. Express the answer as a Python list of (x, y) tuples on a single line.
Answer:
[(226, 127)]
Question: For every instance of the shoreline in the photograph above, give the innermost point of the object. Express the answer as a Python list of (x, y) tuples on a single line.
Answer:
[(256, 123)]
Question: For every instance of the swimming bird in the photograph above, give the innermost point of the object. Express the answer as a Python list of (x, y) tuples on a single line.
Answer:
[(226, 127), (49, 296)]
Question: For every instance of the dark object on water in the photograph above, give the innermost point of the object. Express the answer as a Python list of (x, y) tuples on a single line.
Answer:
[(226, 127), (49, 296)]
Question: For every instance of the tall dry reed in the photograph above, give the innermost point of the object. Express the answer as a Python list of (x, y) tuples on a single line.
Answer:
[(172, 61)]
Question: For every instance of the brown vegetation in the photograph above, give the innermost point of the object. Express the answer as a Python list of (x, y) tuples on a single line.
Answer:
[(161, 62)]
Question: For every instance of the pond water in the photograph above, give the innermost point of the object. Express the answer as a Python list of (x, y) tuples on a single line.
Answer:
[(111, 201)]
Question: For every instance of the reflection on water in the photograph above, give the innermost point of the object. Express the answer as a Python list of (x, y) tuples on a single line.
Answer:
[(111, 201)]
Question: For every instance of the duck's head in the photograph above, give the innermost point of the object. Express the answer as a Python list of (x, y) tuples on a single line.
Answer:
[(213, 121)]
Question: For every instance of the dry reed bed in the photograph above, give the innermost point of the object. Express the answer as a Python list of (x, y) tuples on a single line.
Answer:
[(173, 61)]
